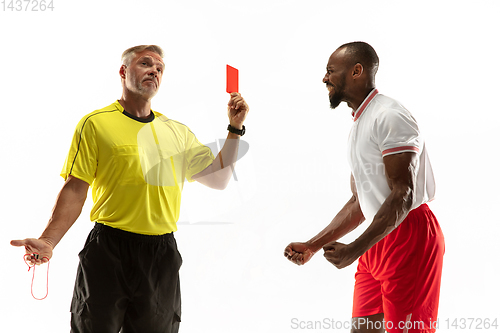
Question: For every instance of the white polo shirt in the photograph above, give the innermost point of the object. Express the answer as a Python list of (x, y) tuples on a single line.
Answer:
[(382, 126)]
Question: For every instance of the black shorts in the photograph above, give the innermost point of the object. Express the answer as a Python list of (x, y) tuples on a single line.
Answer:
[(127, 281)]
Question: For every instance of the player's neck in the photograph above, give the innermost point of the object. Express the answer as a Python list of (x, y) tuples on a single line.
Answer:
[(135, 105), (359, 97)]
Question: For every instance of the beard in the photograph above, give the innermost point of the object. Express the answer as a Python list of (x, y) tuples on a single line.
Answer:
[(146, 91), (338, 94), (335, 100)]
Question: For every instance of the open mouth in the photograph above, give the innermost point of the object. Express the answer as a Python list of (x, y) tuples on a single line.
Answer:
[(329, 87)]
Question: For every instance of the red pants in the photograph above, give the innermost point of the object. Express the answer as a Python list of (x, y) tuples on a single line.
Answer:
[(400, 276)]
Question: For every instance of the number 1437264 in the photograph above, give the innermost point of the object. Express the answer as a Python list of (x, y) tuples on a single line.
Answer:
[(27, 5)]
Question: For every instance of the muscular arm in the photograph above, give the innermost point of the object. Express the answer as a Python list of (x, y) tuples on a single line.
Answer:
[(347, 219), (401, 177), (68, 207), (400, 172)]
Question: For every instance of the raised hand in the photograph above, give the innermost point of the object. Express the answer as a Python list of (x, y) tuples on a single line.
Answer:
[(237, 110)]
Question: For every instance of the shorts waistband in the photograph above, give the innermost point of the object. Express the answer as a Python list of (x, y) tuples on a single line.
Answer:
[(115, 232), (422, 207)]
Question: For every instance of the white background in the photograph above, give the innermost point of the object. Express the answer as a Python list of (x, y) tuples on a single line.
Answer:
[(439, 58)]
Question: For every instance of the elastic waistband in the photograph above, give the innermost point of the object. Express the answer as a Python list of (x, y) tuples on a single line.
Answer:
[(132, 236), (422, 207), (420, 210)]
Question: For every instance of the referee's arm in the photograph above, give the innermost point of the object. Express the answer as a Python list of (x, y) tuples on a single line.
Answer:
[(69, 204)]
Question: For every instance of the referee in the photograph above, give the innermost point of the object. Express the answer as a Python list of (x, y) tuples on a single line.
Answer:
[(136, 160)]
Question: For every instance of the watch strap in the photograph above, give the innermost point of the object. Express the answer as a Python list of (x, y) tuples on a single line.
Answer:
[(235, 130)]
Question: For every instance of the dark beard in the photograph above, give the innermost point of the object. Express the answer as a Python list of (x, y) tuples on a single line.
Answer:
[(335, 100), (338, 96)]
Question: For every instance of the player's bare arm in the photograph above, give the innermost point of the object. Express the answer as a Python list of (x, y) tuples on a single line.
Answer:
[(218, 174), (400, 173), (68, 207), (348, 219)]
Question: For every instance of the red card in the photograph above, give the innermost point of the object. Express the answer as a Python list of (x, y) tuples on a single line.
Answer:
[(231, 79)]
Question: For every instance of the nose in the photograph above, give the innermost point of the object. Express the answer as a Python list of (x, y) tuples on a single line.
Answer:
[(325, 78), (153, 73)]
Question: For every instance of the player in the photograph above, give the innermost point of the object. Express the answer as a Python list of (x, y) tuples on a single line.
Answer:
[(400, 254), (135, 160)]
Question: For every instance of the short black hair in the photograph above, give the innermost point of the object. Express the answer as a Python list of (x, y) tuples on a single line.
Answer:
[(363, 53)]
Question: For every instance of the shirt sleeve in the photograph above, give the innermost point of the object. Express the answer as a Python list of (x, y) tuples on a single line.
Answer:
[(81, 161), (396, 131), (198, 156)]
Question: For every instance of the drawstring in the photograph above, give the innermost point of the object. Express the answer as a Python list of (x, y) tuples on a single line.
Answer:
[(36, 255)]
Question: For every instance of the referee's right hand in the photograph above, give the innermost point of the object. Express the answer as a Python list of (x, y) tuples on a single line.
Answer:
[(33, 245)]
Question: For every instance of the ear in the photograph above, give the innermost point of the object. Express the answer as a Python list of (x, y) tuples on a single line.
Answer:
[(357, 71), (122, 71)]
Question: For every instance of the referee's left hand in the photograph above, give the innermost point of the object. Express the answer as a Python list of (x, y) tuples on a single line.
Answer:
[(237, 110), (340, 255)]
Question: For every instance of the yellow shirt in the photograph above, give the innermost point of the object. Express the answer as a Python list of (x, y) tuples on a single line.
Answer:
[(136, 167)]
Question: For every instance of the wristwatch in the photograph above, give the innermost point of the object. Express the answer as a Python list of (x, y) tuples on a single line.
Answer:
[(235, 130)]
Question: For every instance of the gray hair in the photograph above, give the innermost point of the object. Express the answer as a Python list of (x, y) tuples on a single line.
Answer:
[(128, 55)]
